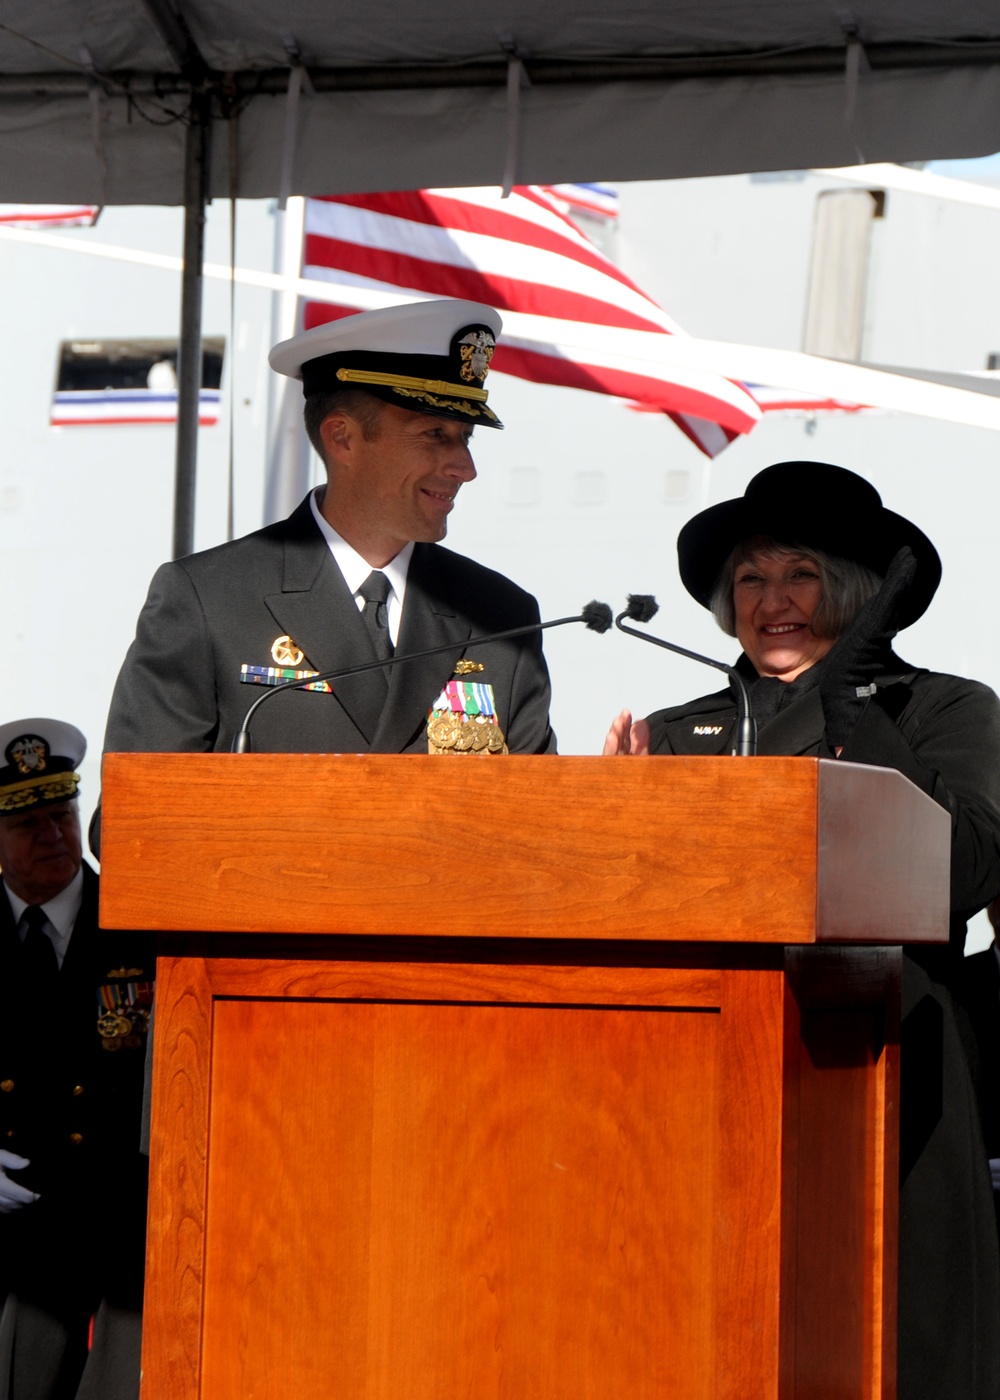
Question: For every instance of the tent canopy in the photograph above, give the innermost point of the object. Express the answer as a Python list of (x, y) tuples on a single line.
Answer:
[(94, 99)]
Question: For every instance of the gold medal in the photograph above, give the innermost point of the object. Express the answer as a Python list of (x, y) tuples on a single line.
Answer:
[(441, 732), (285, 652), (112, 1026)]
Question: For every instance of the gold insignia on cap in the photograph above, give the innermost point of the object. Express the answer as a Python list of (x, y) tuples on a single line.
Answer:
[(29, 754), (60, 786), (408, 383), (476, 349), (466, 668), (285, 652)]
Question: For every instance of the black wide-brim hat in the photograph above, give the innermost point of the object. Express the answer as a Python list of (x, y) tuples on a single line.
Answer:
[(811, 505)]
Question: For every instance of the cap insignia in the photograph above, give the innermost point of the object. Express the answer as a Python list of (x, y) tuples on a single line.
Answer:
[(28, 753), (476, 349)]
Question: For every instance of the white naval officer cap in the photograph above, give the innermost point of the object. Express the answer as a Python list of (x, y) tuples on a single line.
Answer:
[(37, 762), (427, 356)]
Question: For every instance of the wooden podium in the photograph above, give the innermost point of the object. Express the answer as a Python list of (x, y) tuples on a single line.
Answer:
[(533, 1078)]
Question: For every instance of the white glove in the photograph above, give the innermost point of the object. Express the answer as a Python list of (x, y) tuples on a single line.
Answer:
[(12, 1194), (995, 1172)]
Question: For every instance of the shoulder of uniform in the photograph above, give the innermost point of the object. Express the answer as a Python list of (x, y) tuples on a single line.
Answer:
[(466, 573), (255, 547)]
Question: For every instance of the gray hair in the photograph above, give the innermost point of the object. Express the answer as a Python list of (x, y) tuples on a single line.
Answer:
[(846, 584), (360, 405)]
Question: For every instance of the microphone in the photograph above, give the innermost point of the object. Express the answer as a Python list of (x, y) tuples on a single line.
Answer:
[(596, 616), (641, 607)]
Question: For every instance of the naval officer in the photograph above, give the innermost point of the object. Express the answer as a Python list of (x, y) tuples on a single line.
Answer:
[(356, 573), (74, 1003)]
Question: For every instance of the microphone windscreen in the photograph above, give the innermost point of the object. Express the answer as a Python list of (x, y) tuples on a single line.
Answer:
[(641, 607), (597, 616)]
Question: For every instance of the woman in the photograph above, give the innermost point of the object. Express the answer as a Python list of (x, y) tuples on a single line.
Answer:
[(814, 577)]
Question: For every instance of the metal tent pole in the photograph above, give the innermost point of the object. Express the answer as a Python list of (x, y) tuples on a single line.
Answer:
[(189, 349)]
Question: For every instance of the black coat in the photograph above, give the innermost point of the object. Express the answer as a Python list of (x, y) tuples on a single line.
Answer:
[(981, 998), (943, 733), (72, 1107), (180, 691)]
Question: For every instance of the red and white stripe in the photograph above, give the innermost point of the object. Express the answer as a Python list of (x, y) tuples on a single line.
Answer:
[(524, 257), (36, 216), (112, 408), (598, 202), (791, 401)]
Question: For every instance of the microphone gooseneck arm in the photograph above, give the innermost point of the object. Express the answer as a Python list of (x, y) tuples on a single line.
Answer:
[(642, 606), (596, 616)]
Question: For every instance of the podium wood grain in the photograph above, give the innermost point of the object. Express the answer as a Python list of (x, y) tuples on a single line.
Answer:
[(550, 1078), (773, 850), (440, 1179)]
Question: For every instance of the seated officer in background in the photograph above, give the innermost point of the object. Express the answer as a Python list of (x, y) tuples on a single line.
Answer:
[(73, 1009)]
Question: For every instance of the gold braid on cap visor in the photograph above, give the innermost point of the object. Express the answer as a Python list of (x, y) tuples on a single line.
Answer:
[(49, 789), (408, 381)]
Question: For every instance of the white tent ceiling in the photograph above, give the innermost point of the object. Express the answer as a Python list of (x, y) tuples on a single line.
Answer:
[(405, 93)]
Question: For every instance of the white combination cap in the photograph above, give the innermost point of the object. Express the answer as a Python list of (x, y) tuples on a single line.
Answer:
[(427, 356)]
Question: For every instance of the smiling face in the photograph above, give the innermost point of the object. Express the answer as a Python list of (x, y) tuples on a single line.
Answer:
[(396, 483), (775, 601), (40, 850)]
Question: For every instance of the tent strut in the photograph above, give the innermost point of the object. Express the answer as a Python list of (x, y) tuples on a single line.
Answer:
[(189, 368), (517, 79)]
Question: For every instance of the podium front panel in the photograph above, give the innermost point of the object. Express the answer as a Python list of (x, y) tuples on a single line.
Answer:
[(437, 1179)]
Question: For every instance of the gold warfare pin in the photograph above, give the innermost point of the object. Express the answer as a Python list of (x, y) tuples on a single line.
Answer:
[(285, 652)]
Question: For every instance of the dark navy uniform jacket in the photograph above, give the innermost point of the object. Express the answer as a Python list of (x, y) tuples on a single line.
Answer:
[(206, 616), (72, 1106)]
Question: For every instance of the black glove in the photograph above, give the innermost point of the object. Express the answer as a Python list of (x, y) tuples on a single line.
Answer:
[(848, 672)]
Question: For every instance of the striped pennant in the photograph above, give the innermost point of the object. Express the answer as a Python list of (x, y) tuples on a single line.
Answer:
[(521, 255), (37, 216), (76, 408)]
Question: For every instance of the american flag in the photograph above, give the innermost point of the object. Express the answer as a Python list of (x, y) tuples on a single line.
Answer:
[(38, 216), (599, 202), (796, 403), (793, 403), (520, 254)]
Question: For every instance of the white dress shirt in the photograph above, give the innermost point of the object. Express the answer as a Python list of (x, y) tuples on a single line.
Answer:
[(60, 913), (355, 569)]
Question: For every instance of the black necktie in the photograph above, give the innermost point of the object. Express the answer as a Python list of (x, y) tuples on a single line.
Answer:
[(375, 590), (39, 964)]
